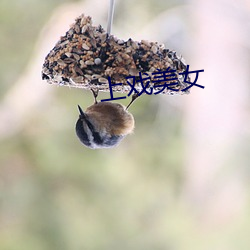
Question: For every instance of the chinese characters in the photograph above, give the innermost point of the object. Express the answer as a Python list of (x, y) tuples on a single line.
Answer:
[(160, 81)]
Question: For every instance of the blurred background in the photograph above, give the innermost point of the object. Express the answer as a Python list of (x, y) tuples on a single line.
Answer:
[(180, 182)]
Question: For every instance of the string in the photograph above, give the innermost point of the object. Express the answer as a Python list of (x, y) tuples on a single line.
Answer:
[(110, 15)]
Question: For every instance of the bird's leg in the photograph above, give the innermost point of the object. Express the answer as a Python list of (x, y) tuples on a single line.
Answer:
[(134, 97), (95, 94)]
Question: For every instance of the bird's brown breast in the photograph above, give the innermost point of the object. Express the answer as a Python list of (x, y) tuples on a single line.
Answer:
[(111, 117)]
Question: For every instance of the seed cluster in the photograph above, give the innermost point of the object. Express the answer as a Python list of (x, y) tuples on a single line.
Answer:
[(86, 56)]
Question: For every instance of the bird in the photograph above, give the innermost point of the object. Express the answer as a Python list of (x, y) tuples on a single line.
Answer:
[(104, 124)]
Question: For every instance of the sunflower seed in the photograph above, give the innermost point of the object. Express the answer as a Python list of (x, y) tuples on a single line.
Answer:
[(61, 62), (77, 57), (85, 46), (68, 54), (88, 62), (145, 42), (77, 79), (95, 76), (77, 29), (154, 49), (78, 70), (84, 29), (69, 60), (103, 80), (120, 42), (134, 72), (88, 77), (152, 69)]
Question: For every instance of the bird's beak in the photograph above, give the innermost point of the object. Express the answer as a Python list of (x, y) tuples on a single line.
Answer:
[(82, 115)]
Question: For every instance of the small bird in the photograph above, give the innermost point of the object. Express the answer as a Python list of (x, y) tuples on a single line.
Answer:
[(104, 124)]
